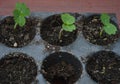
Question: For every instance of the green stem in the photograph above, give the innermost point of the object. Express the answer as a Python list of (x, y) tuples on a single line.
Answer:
[(101, 32), (60, 33), (15, 25)]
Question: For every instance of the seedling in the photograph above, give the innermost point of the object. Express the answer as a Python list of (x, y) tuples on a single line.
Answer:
[(19, 13), (68, 23), (108, 27)]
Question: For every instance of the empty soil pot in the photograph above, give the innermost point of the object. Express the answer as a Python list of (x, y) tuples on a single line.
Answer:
[(104, 67), (17, 68), (50, 29), (92, 28), (61, 68), (19, 36)]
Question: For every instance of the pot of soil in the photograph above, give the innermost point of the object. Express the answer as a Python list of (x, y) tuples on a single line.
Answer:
[(61, 68), (104, 67), (19, 36), (17, 68), (92, 31), (50, 29)]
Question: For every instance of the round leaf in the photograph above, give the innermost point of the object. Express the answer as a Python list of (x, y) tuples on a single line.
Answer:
[(20, 20), (105, 18), (16, 13), (24, 10), (67, 19), (69, 28), (110, 29)]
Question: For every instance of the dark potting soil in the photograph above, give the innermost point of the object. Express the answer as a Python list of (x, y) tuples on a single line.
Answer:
[(61, 68), (104, 67), (91, 31), (50, 29), (17, 68), (18, 37)]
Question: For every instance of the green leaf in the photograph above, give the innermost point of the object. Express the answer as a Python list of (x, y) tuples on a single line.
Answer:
[(16, 13), (20, 20), (105, 18), (67, 18), (20, 12), (26, 12), (23, 9), (110, 29), (69, 28), (18, 6)]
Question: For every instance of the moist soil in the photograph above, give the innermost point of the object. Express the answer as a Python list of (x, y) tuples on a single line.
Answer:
[(17, 68), (104, 67), (50, 29), (18, 37), (91, 31), (61, 68)]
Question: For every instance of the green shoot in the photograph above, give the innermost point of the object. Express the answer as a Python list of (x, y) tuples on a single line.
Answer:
[(68, 23), (108, 27), (19, 13)]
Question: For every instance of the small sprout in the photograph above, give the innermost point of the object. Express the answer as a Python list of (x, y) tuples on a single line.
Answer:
[(108, 27), (19, 13), (68, 23), (103, 70)]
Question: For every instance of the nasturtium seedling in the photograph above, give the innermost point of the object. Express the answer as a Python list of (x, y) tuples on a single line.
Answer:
[(108, 27), (68, 22), (19, 13)]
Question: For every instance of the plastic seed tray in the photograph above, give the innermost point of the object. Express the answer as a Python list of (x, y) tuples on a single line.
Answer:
[(39, 49)]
